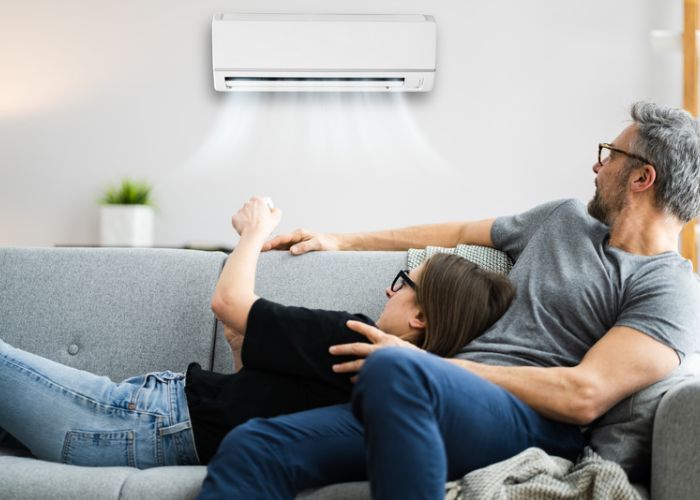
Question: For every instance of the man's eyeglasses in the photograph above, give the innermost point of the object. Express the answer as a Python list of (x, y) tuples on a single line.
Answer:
[(401, 280), (605, 149)]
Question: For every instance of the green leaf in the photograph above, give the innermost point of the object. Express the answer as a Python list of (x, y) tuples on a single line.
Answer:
[(129, 192)]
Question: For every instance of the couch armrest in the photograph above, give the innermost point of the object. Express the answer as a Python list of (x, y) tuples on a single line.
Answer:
[(675, 470)]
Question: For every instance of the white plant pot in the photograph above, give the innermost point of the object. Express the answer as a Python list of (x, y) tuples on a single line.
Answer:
[(126, 225)]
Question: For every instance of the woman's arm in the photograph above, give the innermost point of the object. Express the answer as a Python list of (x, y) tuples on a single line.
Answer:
[(235, 290)]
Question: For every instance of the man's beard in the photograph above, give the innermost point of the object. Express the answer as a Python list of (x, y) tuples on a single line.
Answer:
[(606, 211), (597, 209)]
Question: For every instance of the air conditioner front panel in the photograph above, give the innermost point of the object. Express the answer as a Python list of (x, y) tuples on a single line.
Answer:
[(368, 46)]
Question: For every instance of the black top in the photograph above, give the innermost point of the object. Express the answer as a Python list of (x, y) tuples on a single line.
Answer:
[(287, 368)]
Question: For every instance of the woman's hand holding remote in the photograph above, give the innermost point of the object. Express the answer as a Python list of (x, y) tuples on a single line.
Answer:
[(257, 216)]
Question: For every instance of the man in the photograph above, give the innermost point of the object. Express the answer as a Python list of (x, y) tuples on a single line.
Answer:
[(605, 307)]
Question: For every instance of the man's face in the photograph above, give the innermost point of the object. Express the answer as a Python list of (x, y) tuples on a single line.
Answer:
[(611, 180)]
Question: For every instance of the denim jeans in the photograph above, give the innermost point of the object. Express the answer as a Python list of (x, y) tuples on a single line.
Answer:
[(67, 415), (415, 422)]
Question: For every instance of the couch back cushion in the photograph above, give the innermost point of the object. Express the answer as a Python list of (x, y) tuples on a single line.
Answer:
[(114, 312), (344, 281)]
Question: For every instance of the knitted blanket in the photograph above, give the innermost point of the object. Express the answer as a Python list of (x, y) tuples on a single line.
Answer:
[(534, 475)]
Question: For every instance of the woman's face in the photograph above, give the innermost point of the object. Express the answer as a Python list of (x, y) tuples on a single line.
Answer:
[(400, 308)]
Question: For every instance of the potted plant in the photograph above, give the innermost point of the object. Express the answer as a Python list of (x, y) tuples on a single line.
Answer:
[(126, 215)]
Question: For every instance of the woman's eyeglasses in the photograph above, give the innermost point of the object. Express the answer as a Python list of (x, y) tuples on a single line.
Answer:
[(401, 280)]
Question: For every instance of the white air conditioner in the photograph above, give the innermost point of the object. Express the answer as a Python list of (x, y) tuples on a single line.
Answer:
[(323, 52)]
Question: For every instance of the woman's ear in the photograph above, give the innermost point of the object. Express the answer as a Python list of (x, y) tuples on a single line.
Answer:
[(417, 322)]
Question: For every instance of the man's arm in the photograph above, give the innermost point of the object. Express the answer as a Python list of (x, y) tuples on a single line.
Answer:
[(621, 363), (448, 234)]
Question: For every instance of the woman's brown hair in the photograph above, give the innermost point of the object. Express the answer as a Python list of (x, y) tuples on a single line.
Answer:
[(459, 301)]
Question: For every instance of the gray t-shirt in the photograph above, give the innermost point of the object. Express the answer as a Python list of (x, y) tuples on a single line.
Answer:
[(572, 287)]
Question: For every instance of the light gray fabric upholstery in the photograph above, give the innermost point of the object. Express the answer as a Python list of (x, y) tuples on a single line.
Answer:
[(623, 434), (31, 479), (114, 312), (675, 465), (173, 483), (351, 281)]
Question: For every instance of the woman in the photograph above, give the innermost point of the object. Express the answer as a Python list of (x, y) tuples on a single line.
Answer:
[(165, 418)]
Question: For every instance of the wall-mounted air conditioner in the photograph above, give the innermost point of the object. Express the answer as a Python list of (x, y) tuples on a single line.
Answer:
[(323, 52)]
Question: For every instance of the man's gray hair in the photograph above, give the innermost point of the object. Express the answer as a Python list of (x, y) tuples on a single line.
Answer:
[(669, 139)]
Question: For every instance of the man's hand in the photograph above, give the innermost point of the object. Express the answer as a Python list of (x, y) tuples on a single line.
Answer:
[(301, 241), (361, 350)]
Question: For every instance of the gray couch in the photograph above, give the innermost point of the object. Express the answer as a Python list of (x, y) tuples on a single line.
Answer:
[(122, 312)]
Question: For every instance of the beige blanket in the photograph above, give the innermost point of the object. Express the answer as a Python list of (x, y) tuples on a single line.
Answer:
[(534, 475)]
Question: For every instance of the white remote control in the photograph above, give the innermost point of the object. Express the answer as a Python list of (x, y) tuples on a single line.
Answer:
[(268, 200)]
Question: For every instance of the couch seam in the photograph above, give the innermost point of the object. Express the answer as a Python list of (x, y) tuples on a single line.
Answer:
[(212, 356), (123, 485)]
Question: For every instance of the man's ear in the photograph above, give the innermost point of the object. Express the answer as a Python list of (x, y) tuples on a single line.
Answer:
[(643, 178)]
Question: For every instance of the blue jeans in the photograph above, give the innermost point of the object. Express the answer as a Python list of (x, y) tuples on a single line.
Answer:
[(66, 415), (415, 421)]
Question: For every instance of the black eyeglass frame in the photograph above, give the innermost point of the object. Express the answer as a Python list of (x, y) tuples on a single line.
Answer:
[(405, 279), (610, 147)]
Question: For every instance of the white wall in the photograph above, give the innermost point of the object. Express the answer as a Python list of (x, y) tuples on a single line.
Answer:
[(525, 89)]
